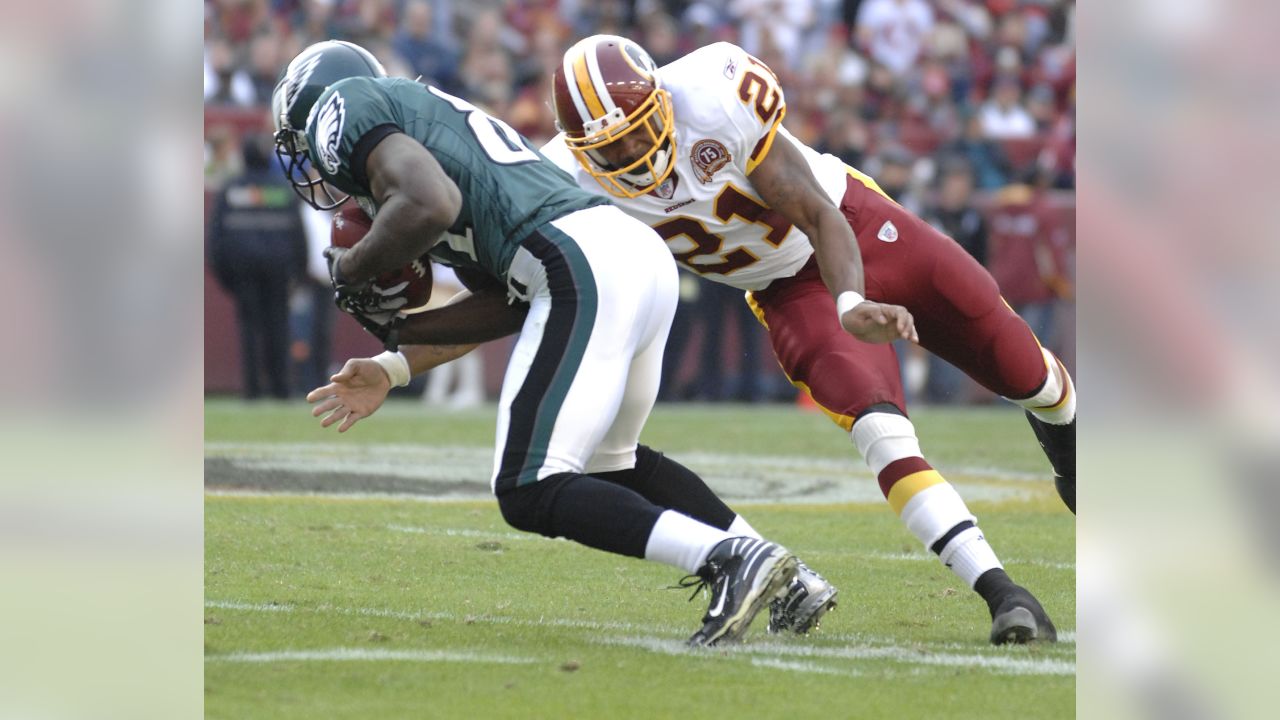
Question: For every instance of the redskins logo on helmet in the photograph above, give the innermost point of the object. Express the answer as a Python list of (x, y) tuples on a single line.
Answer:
[(615, 115)]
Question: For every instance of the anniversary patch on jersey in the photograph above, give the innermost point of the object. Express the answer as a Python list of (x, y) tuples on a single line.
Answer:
[(328, 132), (708, 156)]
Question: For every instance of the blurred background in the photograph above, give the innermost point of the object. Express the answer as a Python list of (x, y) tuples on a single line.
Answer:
[(963, 110)]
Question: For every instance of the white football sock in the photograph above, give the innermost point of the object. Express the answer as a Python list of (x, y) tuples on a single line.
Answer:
[(968, 555), (681, 541), (740, 527), (1056, 401)]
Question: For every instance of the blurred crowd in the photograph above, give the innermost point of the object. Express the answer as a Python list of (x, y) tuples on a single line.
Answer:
[(963, 110), (861, 76)]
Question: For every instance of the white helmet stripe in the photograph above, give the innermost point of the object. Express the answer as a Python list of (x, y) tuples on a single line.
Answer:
[(597, 79), (578, 103)]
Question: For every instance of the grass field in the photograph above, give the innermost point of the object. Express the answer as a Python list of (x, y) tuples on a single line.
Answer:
[(368, 575)]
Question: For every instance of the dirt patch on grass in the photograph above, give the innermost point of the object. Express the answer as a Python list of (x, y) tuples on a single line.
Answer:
[(229, 474)]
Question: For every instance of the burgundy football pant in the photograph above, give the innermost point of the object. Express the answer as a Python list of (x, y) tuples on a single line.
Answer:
[(958, 312)]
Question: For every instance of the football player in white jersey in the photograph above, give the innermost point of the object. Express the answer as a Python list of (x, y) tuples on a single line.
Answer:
[(833, 268)]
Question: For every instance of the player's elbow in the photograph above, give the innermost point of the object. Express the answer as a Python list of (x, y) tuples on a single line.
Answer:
[(429, 211), (819, 221)]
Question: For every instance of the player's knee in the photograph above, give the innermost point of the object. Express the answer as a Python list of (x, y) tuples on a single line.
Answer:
[(1015, 357), (885, 437), (528, 507), (846, 384), (647, 461), (639, 477)]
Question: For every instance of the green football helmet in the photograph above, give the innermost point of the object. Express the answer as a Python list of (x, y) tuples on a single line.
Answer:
[(304, 80)]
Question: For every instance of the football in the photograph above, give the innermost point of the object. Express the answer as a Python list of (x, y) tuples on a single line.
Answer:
[(412, 282)]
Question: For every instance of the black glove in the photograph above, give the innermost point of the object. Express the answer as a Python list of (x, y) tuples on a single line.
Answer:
[(377, 310), (350, 297)]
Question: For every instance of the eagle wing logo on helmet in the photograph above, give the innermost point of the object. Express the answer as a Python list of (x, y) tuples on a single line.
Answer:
[(708, 156), (298, 80), (328, 125)]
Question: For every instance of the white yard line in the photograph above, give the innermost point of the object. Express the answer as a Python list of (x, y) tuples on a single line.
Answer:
[(446, 617), (803, 667), (462, 532), (346, 654), (1001, 664), (669, 641), (253, 607)]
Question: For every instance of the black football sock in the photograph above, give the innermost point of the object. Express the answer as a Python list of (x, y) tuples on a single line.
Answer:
[(665, 482)]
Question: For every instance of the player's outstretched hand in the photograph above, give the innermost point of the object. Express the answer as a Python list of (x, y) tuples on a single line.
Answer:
[(355, 393), (875, 322)]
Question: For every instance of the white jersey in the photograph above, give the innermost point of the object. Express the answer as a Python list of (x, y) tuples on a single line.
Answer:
[(728, 107)]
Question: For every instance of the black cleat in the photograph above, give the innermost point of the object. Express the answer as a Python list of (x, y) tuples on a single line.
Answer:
[(1018, 618), (744, 575), (801, 607), (1059, 445)]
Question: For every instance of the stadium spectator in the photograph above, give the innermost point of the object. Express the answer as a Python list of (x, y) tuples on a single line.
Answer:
[(990, 164), (1028, 261), (416, 44), (846, 137), (893, 32), (311, 306), (224, 158), (316, 23), (219, 68), (772, 24), (257, 247), (896, 175), (954, 214), (1003, 116)]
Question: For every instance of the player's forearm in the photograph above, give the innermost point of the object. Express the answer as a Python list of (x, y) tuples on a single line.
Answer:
[(426, 357), (839, 259), (477, 318), (402, 232)]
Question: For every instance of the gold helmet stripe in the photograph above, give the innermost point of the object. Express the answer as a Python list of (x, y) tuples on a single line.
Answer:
[(572, 85), (598, 82), (588, 90)]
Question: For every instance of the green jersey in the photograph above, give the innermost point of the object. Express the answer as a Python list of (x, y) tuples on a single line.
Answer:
[(508, 188)]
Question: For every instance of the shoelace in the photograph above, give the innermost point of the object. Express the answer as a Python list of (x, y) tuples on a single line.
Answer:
[(699, 581)]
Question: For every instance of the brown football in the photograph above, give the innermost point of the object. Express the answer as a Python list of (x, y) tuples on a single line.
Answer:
[(350, 224)]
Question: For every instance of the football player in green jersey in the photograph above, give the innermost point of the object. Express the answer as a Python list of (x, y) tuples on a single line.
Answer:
[(590, 290)]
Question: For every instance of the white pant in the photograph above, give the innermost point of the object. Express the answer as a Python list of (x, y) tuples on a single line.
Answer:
[(584, 373)]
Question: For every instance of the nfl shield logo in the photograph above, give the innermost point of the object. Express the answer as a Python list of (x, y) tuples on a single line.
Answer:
[(667, 189), (888, 232)]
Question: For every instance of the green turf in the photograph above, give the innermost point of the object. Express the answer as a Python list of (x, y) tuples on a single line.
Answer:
[(472, 619)]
